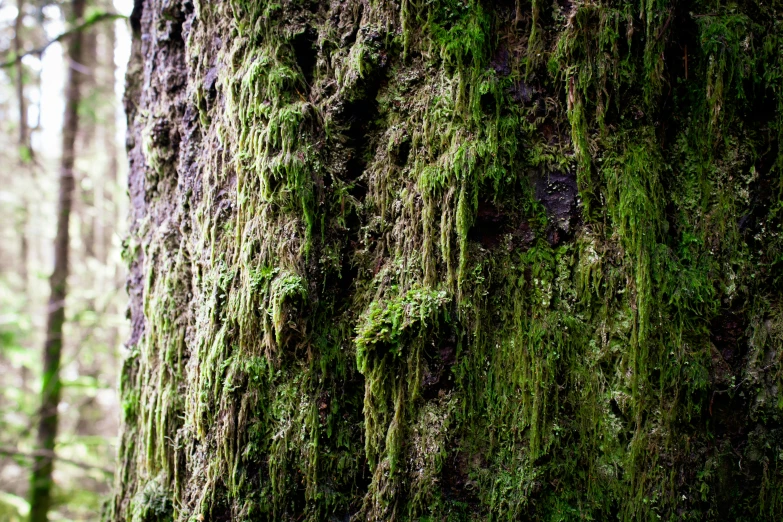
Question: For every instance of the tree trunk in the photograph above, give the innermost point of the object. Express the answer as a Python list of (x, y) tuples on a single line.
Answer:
[(18, 50), (454, 261), (41, 479), (23, 142), (108, 214)]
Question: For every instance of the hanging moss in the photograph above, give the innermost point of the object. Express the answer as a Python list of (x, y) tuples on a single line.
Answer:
[(455, 260)]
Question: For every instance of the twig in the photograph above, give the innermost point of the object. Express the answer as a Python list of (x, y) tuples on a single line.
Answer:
[(81, 27), (53, 455), (663, 29), (734, 387)]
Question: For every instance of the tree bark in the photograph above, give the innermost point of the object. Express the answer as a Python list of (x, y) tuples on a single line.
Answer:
[(41, 477), (453, 261)]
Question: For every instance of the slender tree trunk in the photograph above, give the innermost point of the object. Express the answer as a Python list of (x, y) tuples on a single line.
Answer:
[(18, 50), (454, 260), (23, 143), (86, 204), (109, 214), (41, 479)]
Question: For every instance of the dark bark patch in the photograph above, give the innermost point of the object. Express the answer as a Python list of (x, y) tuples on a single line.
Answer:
[(306, 53), (521, 92), (455, 477), (401, 151), (727, 333), (558, 193), (552, 136), (728, 408), (493, 226), (523, 236), (436, 378), (501, 62), (488, 226), (210, 80)]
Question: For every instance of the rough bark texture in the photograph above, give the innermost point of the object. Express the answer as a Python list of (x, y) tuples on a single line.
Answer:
[(51, 386), (454, 260)]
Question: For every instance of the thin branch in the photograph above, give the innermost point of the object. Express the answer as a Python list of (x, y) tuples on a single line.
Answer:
[(51, 454), (665, 26), (100, 17), (733, 387)]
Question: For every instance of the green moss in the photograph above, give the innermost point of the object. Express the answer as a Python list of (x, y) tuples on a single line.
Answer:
[(285, 290), (152, 504), (389, 342), (376, 310), (389, 324)]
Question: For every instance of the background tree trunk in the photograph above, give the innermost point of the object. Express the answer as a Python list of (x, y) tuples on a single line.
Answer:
[(25, 151), (41, 477), (18, 50), (454, 260)]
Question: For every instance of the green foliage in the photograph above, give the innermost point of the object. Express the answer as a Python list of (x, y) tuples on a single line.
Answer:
[(13, 508)]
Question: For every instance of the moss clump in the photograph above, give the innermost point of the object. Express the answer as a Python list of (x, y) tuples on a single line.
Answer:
[(389, 325), (287, 291), (152, 504), (391, 339)]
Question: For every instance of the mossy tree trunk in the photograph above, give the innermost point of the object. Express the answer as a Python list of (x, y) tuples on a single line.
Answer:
[(454, 260)]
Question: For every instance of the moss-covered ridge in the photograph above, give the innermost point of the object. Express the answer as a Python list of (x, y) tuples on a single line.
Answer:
[(458, 260)]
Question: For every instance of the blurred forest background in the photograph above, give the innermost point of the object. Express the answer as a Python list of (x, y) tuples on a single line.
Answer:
[(32, 105)]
